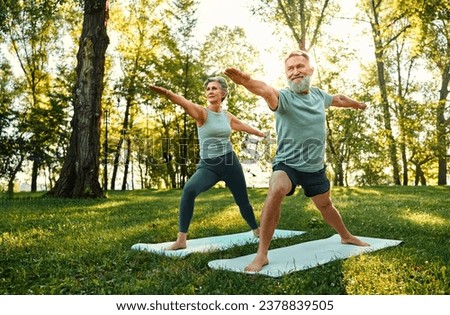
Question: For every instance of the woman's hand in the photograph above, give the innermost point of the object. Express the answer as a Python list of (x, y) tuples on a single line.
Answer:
[(160, 90)]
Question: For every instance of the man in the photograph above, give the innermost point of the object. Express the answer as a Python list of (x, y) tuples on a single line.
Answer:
[(301, 134)]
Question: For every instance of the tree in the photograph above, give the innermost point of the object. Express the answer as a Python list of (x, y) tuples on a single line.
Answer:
[(420, 139), (32, 33), (141, 35), (178, 69), (185, 15), (346, 129), (431, 19), (6, 111), (13, 143), (80, 173), (384, 20), (5, 6), (303, 18)]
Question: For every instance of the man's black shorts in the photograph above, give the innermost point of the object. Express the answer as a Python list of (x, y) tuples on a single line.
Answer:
[(313, 184)]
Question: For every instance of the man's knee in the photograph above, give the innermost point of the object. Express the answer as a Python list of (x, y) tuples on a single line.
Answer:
[(278, 191), (280, 185)]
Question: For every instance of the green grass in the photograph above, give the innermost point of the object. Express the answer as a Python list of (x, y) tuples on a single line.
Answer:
[(66, 246)]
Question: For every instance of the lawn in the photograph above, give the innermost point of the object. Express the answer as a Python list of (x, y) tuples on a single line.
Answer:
[(66, 246)]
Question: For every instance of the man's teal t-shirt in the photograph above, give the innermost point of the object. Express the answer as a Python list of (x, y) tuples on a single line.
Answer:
[(301, 130)]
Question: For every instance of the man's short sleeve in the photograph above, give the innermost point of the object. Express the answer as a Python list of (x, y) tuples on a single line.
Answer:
[(327, 98), (282, 100)]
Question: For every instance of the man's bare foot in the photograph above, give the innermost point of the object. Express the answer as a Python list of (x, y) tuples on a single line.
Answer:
[(257, 264), (177, 245), (256, 232), (353, 240)]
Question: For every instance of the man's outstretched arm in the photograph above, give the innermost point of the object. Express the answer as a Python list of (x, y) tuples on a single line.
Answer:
[(257, 87), (340, 100)]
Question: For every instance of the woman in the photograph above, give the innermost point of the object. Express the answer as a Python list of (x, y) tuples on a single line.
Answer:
[(218, 162)]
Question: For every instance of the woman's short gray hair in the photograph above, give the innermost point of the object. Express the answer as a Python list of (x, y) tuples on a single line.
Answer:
[(220, 80)]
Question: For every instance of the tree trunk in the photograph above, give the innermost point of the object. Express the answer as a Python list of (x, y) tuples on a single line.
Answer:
[(127, 165), (340, 174), (392, 147), (420, 176), (34, 174), (170, 169), (404, 163), (116, 163), (80, 173), (12, 177), (441, 127), (184, 153), (183, 138), (379, 49), (123, 135)]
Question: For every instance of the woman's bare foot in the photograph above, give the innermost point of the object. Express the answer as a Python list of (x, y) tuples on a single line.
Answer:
[(256, 232), (257, 264), (180, 243), (353, 240), (177, 245)]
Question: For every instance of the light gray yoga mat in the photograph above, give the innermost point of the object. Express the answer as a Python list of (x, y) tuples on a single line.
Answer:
[(303, 256), (210, 244)]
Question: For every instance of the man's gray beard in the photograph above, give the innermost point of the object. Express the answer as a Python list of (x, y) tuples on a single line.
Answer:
[(302, 86)]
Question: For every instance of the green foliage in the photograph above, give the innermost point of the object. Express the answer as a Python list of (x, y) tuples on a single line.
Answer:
[(40, 109), (14, 144), (82, 246)]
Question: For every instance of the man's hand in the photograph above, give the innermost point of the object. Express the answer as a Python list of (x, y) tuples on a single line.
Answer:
[(237, 76), (362, 106), (256, 87)]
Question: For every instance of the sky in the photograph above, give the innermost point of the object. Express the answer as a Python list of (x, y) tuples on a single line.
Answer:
[(226, 12)]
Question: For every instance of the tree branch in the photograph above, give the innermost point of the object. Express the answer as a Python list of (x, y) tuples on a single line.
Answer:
[(288, 21), (319, 23)]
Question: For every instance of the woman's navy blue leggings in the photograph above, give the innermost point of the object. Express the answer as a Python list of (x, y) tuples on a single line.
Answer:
[(209, 172)]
